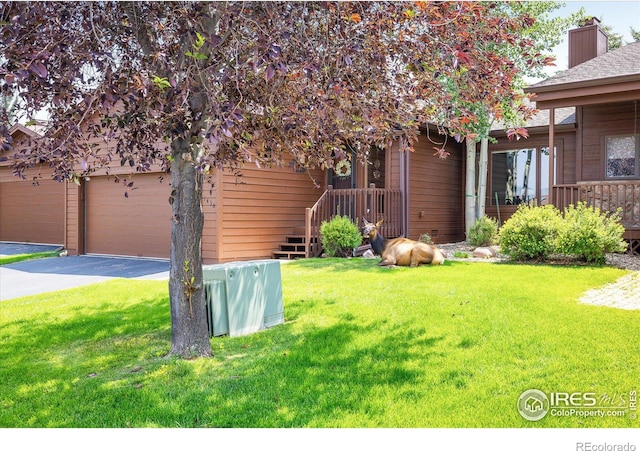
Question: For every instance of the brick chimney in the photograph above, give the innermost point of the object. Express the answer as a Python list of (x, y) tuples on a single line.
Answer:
[(587, 42)]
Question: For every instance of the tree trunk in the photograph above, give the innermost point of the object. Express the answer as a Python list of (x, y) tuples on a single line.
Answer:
[(470, 188), (190, 337), (483, 165), (527, 170), (512, 171)]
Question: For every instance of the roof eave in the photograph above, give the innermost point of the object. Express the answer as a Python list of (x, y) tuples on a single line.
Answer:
[(538, 130), (21, 128), (616, 89), (583, 84)]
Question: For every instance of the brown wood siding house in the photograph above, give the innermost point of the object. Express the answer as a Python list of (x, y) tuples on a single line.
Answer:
[(593, 140), (436, 190), (589, 125), (247, 216)]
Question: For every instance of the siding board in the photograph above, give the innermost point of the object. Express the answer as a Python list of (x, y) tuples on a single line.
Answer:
[(436, 192), (258, 214), (599, 121)]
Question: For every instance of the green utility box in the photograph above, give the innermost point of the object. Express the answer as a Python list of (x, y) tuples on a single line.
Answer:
[(215, 294), (249, 298)]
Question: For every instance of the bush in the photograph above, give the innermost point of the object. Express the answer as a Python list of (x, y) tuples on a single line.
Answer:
[(531, 232), (484, 232), (425, 238), (340, 236), (588, 233)]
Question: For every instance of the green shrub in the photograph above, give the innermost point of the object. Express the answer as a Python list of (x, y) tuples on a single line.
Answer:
[(531, 232), (425, 238), (589, 233), (484, 232), (340, 236)]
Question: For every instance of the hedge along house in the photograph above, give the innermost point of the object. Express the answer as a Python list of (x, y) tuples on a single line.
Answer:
[(251, 214), (584, 145)]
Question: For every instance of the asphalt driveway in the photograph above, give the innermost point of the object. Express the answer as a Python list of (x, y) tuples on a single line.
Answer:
[(59, 273)]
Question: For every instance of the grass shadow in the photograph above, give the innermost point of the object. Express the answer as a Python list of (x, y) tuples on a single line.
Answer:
[(323, 378)]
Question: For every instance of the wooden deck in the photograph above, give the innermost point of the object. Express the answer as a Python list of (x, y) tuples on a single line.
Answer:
[(357, 204), (612, 196)]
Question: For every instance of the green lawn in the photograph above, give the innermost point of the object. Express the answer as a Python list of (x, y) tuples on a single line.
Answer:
[(6, 259), (363, 346)]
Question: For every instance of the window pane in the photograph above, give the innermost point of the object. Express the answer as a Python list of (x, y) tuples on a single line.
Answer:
[(621, 156), (513, 176), (376, 167)]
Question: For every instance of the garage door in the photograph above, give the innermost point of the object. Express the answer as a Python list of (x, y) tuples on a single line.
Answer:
[(32, 214), (137, 225)]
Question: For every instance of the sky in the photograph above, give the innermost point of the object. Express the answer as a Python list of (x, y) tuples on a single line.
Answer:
[(620, 15)]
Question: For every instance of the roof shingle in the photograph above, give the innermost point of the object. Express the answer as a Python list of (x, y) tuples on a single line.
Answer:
[(622, 62)]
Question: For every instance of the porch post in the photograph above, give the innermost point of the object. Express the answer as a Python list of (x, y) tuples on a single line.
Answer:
[(552, 121), (404, 191), (307, 233)]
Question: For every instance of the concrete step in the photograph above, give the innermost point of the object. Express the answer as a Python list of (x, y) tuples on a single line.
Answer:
[(288, 255)]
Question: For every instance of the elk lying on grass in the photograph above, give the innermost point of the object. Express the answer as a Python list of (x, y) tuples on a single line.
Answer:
[(400, 251)]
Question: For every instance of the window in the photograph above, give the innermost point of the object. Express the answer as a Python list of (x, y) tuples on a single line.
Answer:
[(376, 167), (520, 176), (622, 156)]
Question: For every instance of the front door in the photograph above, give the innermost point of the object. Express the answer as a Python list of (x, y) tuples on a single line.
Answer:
[(343, 176)]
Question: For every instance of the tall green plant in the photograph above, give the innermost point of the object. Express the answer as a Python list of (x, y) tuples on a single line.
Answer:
[(531, 232), (8, 106), (483, 232), (340, 236), (589, 233)]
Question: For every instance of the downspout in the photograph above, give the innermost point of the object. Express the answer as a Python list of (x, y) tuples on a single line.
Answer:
[(470, 187), (65, 240), (482, 177), (404, 191), (578, 172), (82, 192), (407, 203), (219, 215)]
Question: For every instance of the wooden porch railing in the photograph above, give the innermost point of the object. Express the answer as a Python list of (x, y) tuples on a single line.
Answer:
[(605, 195), (369, 203)]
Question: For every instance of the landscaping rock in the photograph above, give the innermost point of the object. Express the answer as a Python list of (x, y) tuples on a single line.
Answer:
[(368, 254), (624, 261), (484, 252), (360, 250)]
